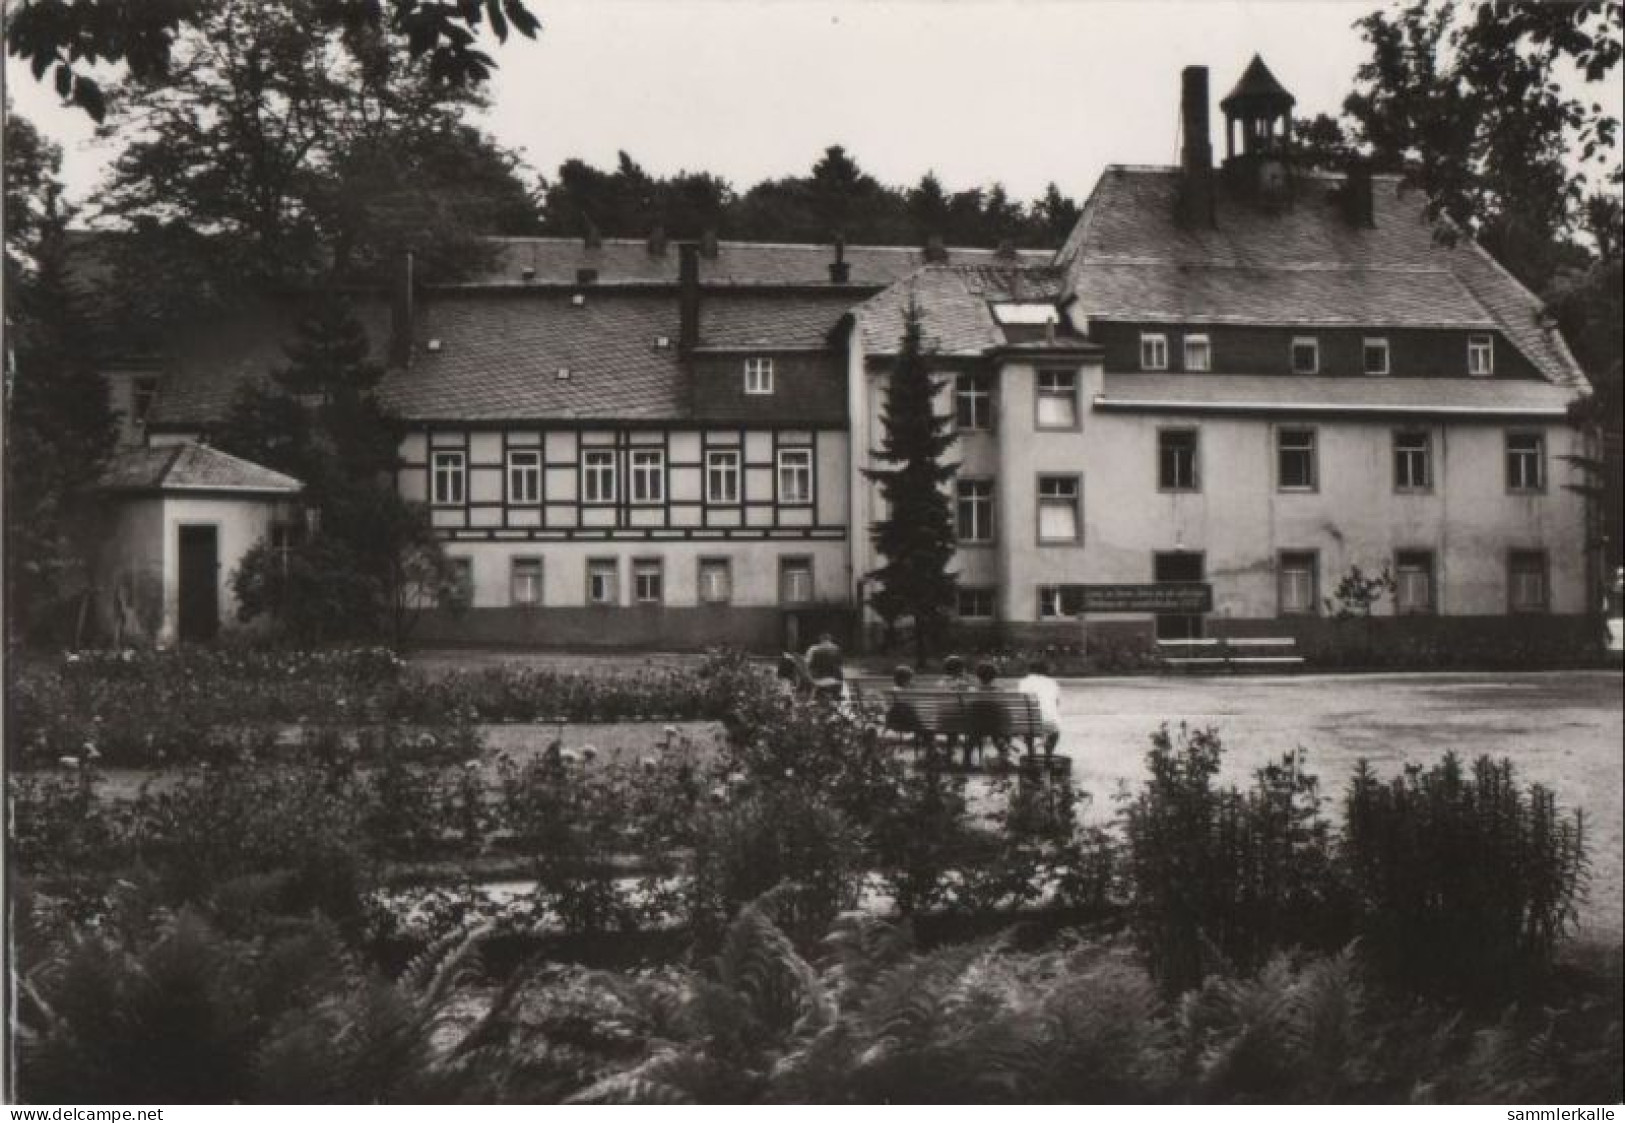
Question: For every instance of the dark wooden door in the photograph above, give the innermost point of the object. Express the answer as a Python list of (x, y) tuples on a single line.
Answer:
[(1182, 565), (200, 583)]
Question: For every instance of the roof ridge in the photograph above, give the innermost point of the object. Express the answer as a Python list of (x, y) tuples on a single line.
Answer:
[(1281, 267), (565, 239)]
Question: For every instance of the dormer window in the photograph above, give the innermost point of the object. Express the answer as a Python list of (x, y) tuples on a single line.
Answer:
[(758, 376), (1305, 355), (1153, 351), (1198, 353), (1480, 355), (1376, 356)]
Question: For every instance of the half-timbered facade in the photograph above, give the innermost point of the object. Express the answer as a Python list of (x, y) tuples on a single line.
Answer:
[(1248, 374)]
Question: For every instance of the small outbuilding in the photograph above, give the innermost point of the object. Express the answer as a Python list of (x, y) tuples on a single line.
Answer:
[(176, 521)]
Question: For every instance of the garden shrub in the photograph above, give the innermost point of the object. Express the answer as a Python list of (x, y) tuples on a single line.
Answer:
[(1220, 877), (1464, 880)]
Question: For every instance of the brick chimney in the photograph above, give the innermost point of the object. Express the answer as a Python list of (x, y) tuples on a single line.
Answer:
[(402, 297), (840, 270), (1196, 155), (688, 297), (1358, 201)]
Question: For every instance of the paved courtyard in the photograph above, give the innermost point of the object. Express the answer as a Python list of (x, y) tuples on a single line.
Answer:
[(1561, 729)]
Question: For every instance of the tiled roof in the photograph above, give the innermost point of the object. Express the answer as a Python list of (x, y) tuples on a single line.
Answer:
[(1306, 393), (732, 320), (499, 357), (189, 466), (954, 305), (629, 261), (1303, 264), (205, 363)]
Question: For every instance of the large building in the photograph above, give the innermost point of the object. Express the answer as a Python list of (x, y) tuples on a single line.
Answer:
[(1243, 373)]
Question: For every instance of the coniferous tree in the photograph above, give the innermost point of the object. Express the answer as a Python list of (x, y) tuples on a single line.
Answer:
[(370, 556), (917, 536)]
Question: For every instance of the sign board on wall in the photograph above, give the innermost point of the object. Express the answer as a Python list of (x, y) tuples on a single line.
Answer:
[(1186, 597)]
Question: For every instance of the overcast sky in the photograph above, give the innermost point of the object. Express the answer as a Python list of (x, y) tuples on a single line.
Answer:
[(1018, 91)]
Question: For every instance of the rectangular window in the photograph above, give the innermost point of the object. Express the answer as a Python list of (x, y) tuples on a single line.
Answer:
[(1414, 592), (1299, 576), (524, 476), (1198, 353), (973, 403), (973, 510), (1057, 399), (603, 581), (1527, 586), (1153, 351), (1480, 355), (1060, 518), (1295, 459), (1413, 460), (974, 602), (795, 580), (648, 581), (1176, 460), (1059, 602), (284, 536), (525, 588), (1375, 356), (758, 376), (716, 581), (450, 473), (1305, 355), (1526, 462), (459, 591), (648, 475), (598, 476), (722, 476), (795, 475)]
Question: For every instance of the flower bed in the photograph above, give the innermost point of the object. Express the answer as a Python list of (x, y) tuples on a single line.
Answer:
[(155, 708)]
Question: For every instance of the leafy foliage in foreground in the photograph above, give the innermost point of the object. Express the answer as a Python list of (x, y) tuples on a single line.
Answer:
[(182, 1012)]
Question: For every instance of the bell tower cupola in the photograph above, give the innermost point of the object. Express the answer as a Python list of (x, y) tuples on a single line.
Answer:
[(1258, 133)]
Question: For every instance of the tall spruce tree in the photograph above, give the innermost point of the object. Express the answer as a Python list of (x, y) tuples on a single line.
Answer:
[(917, 536), (371, 555)]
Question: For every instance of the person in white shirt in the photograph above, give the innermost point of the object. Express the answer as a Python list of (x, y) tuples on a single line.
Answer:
[(1048, 692)]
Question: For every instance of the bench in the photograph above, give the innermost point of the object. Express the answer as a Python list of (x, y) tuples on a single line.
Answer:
[(1230, 654), (971, 716)]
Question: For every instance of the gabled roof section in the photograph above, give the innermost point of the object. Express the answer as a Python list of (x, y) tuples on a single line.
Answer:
[(955, 303), (191, 467), (1127, 258), (628, 261)]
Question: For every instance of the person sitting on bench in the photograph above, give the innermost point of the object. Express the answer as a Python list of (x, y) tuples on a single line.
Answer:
[(987, 680), (1041, 686), (824, 668)]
